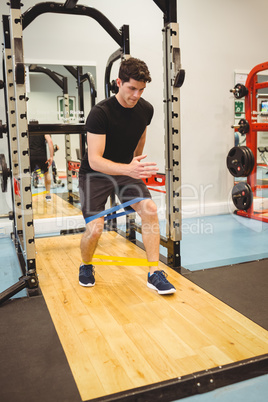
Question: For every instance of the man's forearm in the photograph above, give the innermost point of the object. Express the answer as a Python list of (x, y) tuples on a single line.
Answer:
[(107, 166), (137, 168)]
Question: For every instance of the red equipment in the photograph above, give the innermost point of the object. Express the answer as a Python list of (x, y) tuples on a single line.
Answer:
[(251, 110)]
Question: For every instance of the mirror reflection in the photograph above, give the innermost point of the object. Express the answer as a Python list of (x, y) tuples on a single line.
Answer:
[(56, 96)]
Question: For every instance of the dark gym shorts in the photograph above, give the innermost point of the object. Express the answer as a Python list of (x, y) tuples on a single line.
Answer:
[(39, 163), (95, 188)]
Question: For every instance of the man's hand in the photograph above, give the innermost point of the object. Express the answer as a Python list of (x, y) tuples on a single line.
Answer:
[(141, 170), (49, 162)]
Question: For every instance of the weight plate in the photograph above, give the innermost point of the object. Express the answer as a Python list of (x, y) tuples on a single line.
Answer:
[(251, 160), (242, 196), (179, 80), (4, 173), (241, 91), (247, 164), (244, 126), (237, 162)]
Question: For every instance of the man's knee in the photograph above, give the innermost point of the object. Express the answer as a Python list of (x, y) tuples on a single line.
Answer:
[(152, 207), (147, 208), (94, 229)]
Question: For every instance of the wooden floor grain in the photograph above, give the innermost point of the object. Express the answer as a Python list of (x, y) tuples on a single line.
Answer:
[(120, 334), (56, 208)]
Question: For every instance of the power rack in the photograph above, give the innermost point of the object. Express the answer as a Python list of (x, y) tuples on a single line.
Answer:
[(18, 129)]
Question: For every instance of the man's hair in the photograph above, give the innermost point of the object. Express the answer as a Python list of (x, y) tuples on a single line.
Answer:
[(135, 69)]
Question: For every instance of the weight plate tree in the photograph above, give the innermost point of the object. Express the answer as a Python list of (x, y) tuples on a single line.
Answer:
[(240, 160)]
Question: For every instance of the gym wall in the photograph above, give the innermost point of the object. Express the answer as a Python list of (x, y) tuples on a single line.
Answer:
[(216, 38)]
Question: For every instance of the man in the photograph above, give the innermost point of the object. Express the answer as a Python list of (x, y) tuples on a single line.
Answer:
[(116, 133), (39, 160)]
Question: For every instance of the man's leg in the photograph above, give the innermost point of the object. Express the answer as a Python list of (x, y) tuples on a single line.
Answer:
[(90, 239), (47, 182), (88, 246), (150, 229), (157, 279), (94, 189)]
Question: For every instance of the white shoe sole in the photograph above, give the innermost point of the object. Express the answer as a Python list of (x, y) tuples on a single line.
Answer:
[(161, 292), (88, 285)]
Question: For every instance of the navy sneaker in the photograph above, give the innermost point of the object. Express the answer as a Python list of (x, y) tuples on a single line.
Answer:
[(86, 275), (158, 281)]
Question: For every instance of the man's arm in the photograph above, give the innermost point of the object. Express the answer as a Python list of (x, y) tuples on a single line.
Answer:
[(51, 150), (139, 148), (136, 168)]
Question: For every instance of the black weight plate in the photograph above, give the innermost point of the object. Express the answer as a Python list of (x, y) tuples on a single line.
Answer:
[(237, 162), (241, 91), (247, 161), (179, 80), (3, 173), (244, 126), (242, 196), (250, 160)]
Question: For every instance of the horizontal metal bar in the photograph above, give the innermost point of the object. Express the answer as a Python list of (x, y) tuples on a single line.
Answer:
[(37, 129), (2, 216)]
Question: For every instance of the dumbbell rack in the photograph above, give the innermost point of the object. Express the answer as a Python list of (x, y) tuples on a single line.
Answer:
[(251, 113)]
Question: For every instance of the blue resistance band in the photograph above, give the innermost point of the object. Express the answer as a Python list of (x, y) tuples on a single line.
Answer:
[(114, 209)]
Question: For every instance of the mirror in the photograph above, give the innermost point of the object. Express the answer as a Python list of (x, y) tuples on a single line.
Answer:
[(46, 105)]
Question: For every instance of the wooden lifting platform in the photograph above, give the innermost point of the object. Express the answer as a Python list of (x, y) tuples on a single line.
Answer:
[(120, 335)]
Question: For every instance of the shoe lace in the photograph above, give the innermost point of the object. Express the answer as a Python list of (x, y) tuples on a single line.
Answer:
[(162, 275), (87, 270)]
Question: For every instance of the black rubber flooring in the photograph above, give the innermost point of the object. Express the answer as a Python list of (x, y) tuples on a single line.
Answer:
[(244, 287), (34, 367)]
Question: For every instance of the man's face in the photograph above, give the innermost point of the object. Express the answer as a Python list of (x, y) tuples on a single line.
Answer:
[(129, 92)]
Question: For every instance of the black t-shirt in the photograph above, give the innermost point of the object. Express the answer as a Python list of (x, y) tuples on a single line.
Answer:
[(123, 128), (38, 147)]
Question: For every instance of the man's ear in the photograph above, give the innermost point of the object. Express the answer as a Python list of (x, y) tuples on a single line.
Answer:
[(119, 82)]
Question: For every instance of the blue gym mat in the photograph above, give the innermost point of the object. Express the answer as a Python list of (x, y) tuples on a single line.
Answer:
[(10, 270)]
